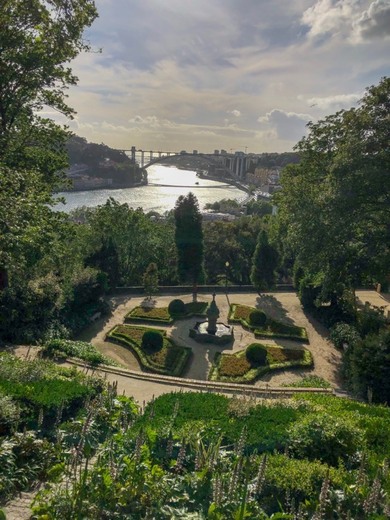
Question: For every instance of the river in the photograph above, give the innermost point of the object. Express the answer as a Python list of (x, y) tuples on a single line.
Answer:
[(166, 184)]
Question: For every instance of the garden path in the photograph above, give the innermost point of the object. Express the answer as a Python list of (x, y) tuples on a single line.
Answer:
[(284, 306)]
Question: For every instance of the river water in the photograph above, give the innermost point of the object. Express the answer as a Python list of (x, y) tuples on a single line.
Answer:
[(166, 184)]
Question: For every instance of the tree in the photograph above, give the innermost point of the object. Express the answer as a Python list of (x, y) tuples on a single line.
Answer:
[(189, 240), (334, 206), (37, 40), (150, 280), (264, 264)]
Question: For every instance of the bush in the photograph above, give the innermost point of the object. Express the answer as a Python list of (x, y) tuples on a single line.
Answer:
[(366, 367), (344, 334), (79, 349), (256, 354), (176, 307), (257, 318), (370, 320), (325, 438), (308, 293), (152, 341)]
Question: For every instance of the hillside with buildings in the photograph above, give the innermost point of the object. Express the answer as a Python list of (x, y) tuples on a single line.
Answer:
[(93, 166)]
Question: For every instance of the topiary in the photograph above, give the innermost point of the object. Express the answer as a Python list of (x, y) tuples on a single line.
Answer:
[(176, 307), (152, 340), (256, 354), (257, 318)]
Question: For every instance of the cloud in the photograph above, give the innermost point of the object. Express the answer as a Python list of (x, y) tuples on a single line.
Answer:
[(235, 113), (336, 102), (329, 16), (354, 20), (374, 22), (288, 126)]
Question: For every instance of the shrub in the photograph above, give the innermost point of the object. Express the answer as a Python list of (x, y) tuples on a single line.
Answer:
[(325, 438), (344, 334), (257, 318), (256, 354), (152, 340), (370, 320), (79, 349), (308, 293), (176, 307)]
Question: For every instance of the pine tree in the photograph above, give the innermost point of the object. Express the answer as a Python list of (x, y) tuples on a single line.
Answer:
[(189, 240), (264, 264), (150, 280)]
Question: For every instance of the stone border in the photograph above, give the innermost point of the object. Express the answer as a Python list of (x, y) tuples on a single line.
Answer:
[(204, 385)]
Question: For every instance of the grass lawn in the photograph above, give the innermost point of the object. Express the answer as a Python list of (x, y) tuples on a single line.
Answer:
[(236, 368), (272, 329), (170, 360), (161, 314)]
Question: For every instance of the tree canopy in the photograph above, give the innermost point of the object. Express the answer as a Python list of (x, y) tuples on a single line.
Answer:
[(334, 208), (189, 238), (37, 40)]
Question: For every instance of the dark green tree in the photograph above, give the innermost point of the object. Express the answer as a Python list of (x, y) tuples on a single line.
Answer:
[(334, 208), (38, 38), (150, 280), (264, 264), (189, 240)]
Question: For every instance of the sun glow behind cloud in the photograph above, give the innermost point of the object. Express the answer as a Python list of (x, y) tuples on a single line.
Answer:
[(178, 74)]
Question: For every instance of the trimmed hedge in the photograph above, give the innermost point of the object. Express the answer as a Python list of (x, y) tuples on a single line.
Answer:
[(257, 318), (170, 360), (176, 307), (161, 315), (152, 340), (256, 354), (232, 369), (272, 328)]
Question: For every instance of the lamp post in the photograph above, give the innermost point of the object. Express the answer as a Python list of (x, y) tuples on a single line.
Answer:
[(226, 275)]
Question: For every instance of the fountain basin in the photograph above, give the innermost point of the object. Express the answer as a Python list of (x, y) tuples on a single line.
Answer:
[(223, 334)]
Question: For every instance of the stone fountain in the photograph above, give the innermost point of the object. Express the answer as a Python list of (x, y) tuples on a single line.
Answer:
[(211, 331)]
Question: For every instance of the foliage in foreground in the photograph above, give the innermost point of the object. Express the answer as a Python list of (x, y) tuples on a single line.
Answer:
[(196, 456)]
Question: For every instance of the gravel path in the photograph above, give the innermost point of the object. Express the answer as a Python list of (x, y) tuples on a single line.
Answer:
[(282, 306)]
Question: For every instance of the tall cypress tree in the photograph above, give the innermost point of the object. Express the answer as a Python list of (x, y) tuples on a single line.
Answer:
[(189, 240), (264, 264)]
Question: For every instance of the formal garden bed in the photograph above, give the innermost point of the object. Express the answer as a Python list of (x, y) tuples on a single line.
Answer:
[(242, 368), (170, 359), (165, 315), (64, 348), (270, 329)]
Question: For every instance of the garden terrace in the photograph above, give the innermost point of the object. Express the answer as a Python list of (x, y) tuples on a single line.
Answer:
[(170, 360), (41, 385), (149, 314), (236, 368), (272, 328)]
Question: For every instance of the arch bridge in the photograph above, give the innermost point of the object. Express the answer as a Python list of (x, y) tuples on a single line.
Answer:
[(232, 165)]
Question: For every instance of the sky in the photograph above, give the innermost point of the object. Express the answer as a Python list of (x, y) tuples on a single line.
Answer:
[(239, 75)]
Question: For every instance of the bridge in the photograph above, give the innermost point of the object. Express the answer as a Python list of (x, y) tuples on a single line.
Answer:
[(224, 164)]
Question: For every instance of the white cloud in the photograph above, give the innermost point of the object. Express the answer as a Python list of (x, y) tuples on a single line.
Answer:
[(206, 69), (355, 20), (288, 126), (329, 16), (374, 22), (336, 102)]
